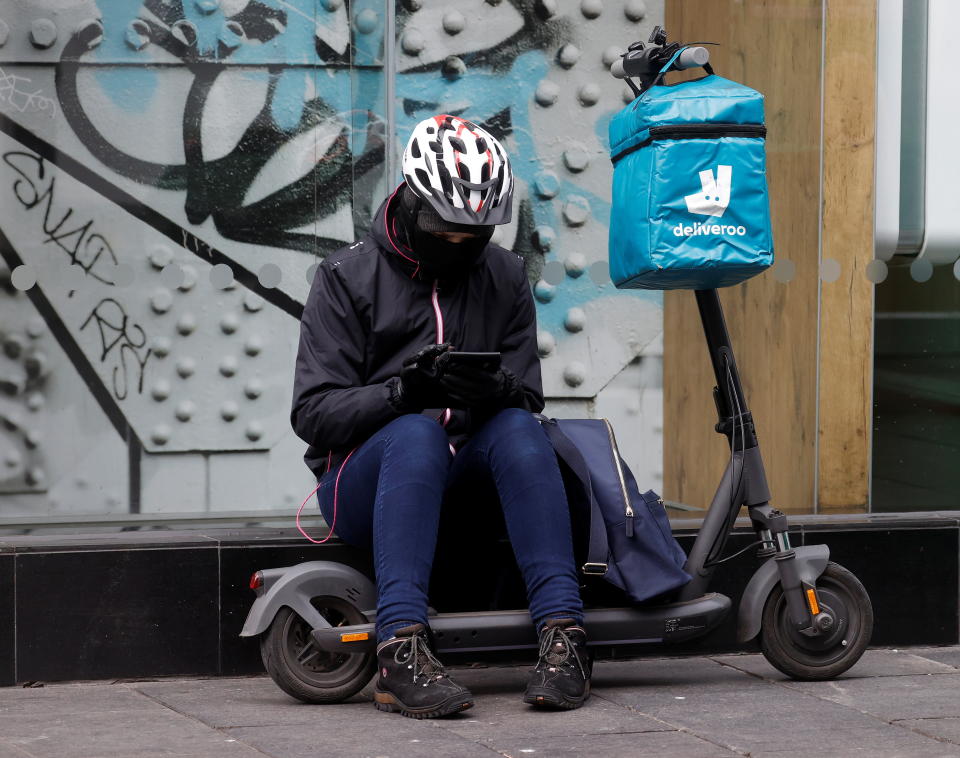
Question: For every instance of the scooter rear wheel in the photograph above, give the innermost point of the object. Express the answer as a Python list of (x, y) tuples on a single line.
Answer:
[(303, 670), (828, 655)]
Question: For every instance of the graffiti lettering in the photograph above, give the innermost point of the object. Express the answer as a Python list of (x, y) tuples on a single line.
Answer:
[(21, 100), (36, 187), (116, 331)]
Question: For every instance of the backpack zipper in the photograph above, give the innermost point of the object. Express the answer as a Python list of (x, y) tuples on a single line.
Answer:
[(694, 131), (627, 508)]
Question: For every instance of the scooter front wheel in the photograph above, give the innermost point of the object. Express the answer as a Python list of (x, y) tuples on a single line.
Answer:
[(303, 670), (829, 654)]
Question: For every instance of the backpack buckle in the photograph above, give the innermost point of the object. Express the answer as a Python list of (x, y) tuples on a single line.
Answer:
[(594, 569)]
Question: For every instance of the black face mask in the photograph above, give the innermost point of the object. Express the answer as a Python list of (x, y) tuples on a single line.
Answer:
[(442, 259)]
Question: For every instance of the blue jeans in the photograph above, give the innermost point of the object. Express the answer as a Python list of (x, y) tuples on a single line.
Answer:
[(391, 490)]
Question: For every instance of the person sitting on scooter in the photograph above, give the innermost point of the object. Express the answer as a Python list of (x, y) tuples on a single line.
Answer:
[(392, 425)]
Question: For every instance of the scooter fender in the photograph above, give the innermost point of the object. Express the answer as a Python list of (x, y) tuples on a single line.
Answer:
[(294, 586), (811, 562)]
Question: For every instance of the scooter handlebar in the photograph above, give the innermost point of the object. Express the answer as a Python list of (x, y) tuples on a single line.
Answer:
[(692, 57)]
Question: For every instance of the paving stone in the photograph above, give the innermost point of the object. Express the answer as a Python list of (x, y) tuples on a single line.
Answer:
[(241, 701), (371, 735), (90, 721), (758, 717), (942, 729), (873, 663), (890, 698), (634, 745), (947, 655)]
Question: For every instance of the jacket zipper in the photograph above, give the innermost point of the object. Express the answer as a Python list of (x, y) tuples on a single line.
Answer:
[(695, 131), (627, 508)]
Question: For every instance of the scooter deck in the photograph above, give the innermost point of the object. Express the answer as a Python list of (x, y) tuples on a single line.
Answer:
[(512, 630)]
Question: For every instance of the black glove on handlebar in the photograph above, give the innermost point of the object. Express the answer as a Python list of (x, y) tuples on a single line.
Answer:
[(418, 385)]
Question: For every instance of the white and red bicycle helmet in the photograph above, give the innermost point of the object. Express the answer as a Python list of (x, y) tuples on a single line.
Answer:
[(460, 170)]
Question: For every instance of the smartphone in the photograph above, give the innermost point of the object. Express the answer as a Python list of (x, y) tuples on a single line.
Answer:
[(483, 361)]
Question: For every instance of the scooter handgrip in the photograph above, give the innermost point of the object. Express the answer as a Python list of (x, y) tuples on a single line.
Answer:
[(692, 57), (616, 69)]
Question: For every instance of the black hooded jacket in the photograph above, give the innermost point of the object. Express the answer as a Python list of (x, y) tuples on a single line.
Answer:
[(369, 309)]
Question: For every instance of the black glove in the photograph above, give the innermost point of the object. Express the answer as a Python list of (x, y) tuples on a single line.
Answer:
[(470, 386), (418, 385)]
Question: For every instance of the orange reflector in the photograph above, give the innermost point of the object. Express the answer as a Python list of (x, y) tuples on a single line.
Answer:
[(355, 637), (812, 600)]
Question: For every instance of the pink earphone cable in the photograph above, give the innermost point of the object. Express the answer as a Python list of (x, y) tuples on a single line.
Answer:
[(336, 492)]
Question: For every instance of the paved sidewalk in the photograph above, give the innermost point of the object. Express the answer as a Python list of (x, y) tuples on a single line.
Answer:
[(893, 703)]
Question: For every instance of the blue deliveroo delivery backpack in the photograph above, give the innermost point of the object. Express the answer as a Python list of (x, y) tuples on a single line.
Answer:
[(690, 207)]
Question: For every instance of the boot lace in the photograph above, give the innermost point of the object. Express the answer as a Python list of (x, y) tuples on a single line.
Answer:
[(424, 663), (556, 650)]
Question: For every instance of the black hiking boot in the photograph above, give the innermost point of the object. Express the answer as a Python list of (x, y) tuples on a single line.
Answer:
[(412, 681), (561, 678)]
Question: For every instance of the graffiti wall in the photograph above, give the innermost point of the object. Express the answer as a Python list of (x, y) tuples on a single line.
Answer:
[(172, 170)]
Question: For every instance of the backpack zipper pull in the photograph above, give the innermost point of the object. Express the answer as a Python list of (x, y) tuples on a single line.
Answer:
[(629, 524)]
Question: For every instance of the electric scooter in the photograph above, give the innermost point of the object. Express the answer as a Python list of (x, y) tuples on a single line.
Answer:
[(813, 617)]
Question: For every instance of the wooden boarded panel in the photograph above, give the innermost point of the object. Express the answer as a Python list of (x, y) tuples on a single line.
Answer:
[(846, 317), (775, 47)]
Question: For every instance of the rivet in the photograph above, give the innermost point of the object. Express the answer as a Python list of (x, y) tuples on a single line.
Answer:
[(331, 5), (13, 345), (35, 476), (37, 365), (232, 35), (4, 32), (172, 275), (185, 32), (568, 56), (311, 272), (546, 94), (591, 8), (186, 324), (575, 265), (160, 257), (453, 67), (553, 273), (547, 185), (12, 459), (453, 22), (161, 301), (494, 2), (160, 390), (544, 292), (161, 434), (269, 275), (254, 389), (23, 277), (546, 343), (543, 238), (221, 276), (229, 366), (160, 346), (43, 33), (229, 323), (253, 346), (366, 21), (545, 9), (600, 272), (575, 320), (252, 302), (575, 159), (611, 54), (35, 401), (412, 42), (635, 10), (576, 211), (254, 431), (32, 438), (229, 411), (186, 367), (413, 5), (575, 374), (89, 33), (185, 410), (12, 418), (189, 278), (137, 35), (206, 7)]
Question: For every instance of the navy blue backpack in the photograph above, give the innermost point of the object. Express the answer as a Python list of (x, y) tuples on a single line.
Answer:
[(631, 544)]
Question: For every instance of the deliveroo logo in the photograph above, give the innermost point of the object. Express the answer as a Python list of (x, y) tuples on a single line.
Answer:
[(711, 200)]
